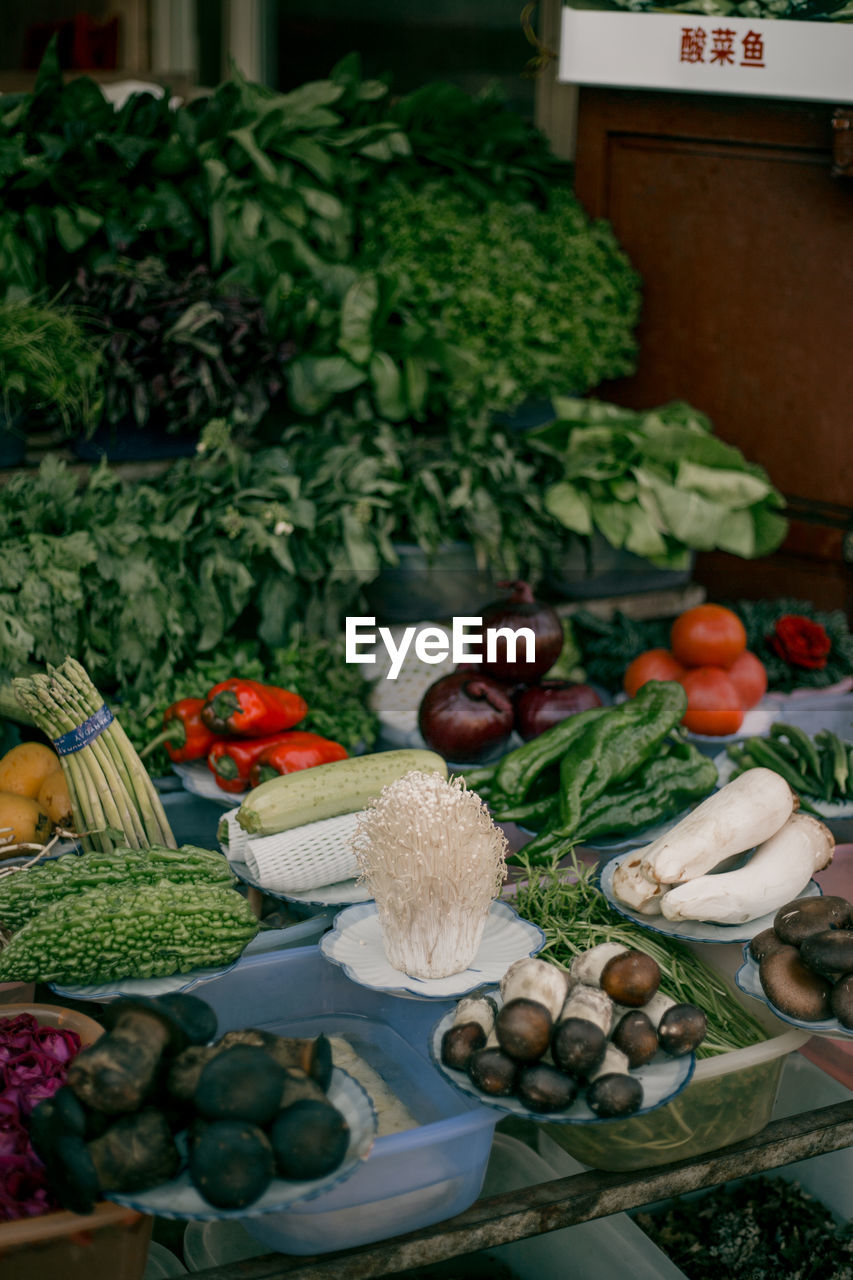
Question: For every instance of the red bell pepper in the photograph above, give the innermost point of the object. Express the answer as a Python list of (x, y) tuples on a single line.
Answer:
[(230, 760), (184, 736), (302, 750), (251, 709)]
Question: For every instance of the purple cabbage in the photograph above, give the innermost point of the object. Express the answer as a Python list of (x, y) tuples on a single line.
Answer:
[(33, 1065)]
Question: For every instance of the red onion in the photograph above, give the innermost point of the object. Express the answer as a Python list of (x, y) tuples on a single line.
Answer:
[(540, 706), (521, 610), (466, 717)]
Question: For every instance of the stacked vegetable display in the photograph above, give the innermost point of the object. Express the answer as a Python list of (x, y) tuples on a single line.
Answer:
[(560, 1033), (125, 913), (709, 657), (244, 730), (757, 811), (599, 772), (245, 1108), (470, 714), (805, 961), (34, 798), (819, 767)]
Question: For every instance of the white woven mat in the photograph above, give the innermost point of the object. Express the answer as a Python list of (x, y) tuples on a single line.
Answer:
[(307, 857)]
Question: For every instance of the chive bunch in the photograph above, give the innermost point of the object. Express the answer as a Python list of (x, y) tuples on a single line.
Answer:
[(113, 799), (575, 916)]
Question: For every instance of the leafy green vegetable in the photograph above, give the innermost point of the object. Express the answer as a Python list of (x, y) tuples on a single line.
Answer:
[(182, 350), (760, 1229), (49, 366), (540, 301), (658, 483)]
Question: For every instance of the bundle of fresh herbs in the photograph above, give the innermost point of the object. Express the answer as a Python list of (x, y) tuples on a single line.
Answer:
[(49, 366), (542, 301), (178, 351)]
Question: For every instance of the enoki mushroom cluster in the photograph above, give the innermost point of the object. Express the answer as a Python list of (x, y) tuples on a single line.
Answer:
[(434, 861)]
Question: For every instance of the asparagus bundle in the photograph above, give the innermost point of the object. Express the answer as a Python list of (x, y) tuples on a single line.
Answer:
[(112, 797)]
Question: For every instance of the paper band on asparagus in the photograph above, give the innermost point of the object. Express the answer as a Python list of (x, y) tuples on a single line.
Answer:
[(434, 861), (111, 793)]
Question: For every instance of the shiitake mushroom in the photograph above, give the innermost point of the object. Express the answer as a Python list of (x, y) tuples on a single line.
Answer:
[(309, 1140), (631, 978), (544, 1088), (764, 944), (829, 952), (231, 1163), (636, 1036), (523, 1028), (842, 1000), (799, 919), (793, 988)]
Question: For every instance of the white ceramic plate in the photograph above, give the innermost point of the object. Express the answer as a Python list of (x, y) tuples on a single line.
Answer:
[(268, 940), (197, 778), (355, 943), (179, 1199), (690, 930), (341, 894), (748, 982), (826, 809), (662, 1079)]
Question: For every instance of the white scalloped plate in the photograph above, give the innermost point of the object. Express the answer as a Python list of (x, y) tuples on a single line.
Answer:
[(355, 943), (179, 1199), (662, 1079), (691, 930), (748, 982)]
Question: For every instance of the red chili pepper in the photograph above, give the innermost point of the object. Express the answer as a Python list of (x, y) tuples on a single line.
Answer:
[(250, 708), (231, 759), (302, 751), (185, 736)]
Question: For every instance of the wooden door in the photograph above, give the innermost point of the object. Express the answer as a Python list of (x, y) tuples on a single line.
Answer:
[(731, 212)]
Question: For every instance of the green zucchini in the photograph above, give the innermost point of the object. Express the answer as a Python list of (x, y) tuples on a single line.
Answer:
[(328, 790), (24, 893), (110, 934)]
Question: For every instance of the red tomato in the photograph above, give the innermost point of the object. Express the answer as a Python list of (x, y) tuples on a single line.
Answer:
[(654, 664), (713, 704), (708, 635), (748, 674)]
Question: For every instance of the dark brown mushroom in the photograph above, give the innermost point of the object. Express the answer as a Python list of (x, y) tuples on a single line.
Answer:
[(493, 1071), (614, 1094), (117, 1072), (243, 1083), (842, 1000), (631, 978), (682, 1029), (764, 944), (544, 1088), (578, 1045), (829, 952), (523, 1028), (793, 988), (798, 919), (636, 1036)]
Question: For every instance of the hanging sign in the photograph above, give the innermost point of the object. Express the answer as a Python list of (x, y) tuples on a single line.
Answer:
[(708, 54)]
